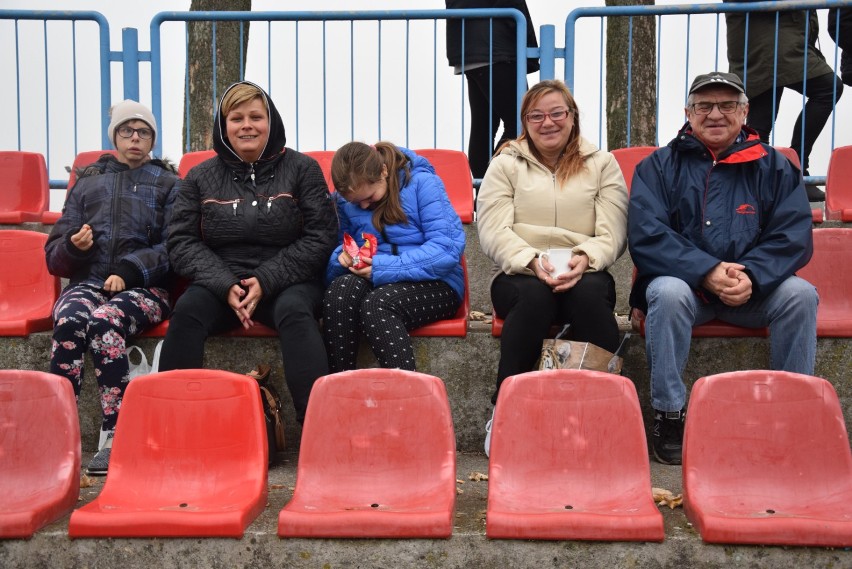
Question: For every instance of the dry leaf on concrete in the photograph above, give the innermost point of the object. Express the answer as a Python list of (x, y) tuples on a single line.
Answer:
[(478, 476), (666, 497)]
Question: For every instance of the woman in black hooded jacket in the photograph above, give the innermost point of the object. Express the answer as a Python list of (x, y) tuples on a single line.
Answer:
[(252, 229)]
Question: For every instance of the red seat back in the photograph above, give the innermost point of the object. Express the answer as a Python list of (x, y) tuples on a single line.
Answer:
[(189, 458), (453, 168), (766, 460), (377, 458), (629, 158), (324, 157), (830, 271), (838, 185), (40, 450), (569, 460), (27, 290), (24, 187), (191, 159)]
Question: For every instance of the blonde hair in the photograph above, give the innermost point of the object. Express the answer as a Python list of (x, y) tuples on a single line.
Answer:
[(239, 94), (356, 163), (570, 162)]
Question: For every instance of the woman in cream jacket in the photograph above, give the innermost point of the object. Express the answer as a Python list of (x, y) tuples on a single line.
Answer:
[(551, 189)]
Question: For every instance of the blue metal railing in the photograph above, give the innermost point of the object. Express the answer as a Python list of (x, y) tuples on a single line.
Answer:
[(25, 65), (383, 75)]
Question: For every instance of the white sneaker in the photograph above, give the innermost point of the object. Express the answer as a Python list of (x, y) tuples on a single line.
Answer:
[(488, 435)]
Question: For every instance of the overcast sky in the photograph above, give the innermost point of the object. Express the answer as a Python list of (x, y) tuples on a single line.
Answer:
[(121, 14)]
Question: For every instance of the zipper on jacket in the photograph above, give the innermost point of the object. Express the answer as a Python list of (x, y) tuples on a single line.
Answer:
[(115, 213), (233, 203), (270, 199)]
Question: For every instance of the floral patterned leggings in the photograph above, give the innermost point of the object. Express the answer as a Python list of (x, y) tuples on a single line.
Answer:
[(87, 317)]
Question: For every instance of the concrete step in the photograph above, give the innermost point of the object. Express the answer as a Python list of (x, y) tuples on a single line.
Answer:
[(468, 547)]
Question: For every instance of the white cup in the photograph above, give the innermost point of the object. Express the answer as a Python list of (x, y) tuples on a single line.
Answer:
[(559, 258)]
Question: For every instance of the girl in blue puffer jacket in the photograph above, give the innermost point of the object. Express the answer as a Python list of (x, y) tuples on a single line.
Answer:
[(414, 278)]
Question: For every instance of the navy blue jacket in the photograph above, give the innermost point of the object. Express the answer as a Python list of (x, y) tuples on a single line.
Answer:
[(129, 211), (689, 211)]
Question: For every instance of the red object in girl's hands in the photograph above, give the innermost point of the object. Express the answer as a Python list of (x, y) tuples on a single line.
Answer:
[(365, 251)]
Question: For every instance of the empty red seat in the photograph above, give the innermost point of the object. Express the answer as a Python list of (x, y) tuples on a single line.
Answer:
[(830, 271), (817, 214), (189, 459), (24, 187), (377, 459), (39, 451), (453, 168), (629, 158), (324, 158), (838, 185), (191, 159), (569, 460), (766, 460), (27, 291), (452, 327)]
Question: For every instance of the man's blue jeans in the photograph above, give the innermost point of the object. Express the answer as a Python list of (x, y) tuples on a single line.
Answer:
[(674, 308)]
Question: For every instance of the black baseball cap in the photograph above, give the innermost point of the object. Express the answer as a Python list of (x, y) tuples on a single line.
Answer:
[(717, 78)]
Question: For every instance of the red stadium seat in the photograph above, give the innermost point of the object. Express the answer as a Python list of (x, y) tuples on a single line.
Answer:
[(191, 159), (817, 214), (189, 459), (838, 185), (40, 450), (454, 170), (569, 460), (27, 291), (324, 158), (452, 327), (628, 158), (766, 460), (24, 187), (377, 459), (830, 271)]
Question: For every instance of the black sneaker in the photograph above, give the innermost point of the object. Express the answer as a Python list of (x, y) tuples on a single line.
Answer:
[(99, 464), (667, 438), (814, 193)]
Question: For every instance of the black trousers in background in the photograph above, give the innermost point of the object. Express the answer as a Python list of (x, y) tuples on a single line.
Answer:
[(820, 101), (530, 307), (199, 313), (503, 89)]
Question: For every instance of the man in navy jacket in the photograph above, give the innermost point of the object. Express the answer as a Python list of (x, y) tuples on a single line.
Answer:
[(718, 224)]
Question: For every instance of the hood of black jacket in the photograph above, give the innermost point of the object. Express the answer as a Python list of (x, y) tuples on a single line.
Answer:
[(274, 145)]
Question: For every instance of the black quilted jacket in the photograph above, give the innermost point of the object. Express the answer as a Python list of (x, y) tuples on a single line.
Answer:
[(272, 219)]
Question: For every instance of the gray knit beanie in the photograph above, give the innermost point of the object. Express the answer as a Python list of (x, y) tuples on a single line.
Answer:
[(129, 110)]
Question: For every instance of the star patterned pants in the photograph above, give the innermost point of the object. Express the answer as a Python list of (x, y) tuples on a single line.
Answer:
[(86, 317), (383, 315)]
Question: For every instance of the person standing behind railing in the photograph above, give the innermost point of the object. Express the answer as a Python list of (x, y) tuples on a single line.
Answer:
[(492, 89), (843, 40), (819, 84)]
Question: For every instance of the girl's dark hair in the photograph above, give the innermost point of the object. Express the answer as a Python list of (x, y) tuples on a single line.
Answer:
[(356, 163)]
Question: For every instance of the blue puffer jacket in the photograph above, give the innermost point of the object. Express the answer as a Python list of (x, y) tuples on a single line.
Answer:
[(129, 211), (689, 211), (429, 246)]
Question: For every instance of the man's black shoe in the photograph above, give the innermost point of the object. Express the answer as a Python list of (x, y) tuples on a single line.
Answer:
[(814, 193), (667, 438)]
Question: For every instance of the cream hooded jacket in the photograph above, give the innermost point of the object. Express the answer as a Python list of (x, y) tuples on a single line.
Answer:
[(523, 211)]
